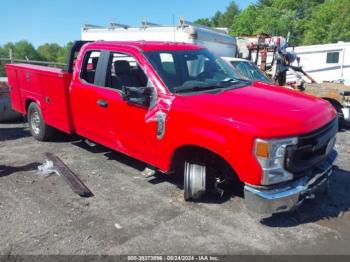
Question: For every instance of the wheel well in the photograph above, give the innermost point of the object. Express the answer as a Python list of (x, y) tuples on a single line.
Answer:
[(28, 102), (185, 152), (335, 103)]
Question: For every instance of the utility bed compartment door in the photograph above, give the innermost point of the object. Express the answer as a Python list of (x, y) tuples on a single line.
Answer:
[(15, 95), (46, 86), (56, 109)]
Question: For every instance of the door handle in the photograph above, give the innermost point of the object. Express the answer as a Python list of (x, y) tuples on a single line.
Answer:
[(102, 103)]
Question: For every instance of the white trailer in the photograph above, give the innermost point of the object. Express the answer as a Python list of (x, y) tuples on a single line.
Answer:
[(216, 40), (329, 62)]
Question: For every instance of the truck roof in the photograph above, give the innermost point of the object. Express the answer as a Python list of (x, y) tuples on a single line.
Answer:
[(147, 45)]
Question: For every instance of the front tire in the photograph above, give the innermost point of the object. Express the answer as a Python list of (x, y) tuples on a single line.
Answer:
[(39, 130)]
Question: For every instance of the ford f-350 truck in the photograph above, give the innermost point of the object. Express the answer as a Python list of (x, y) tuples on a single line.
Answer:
[(182, 110)]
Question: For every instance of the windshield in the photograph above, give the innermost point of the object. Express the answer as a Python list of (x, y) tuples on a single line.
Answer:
[(193, 70), (250, 70)]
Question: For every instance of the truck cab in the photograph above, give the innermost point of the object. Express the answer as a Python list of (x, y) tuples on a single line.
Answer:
[(185, 112)]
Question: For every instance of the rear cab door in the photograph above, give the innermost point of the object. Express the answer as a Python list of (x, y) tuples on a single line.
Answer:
[(83, 93)]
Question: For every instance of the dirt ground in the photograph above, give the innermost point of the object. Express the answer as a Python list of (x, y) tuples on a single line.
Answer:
[(131, 214)]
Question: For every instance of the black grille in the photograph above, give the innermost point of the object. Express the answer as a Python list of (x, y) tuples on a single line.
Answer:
[(310, 150)]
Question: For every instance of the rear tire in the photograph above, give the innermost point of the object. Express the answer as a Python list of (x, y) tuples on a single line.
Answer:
[(39, 130)]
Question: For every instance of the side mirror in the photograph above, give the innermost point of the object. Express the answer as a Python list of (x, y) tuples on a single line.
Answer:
[(140, 96)]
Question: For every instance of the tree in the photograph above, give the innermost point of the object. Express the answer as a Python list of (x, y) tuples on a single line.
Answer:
[(276, 17), (221, 19), (303, 19), (226, 19), (261, 3), (216, 19), (329, 23), (3, 54), (203, 21), (276, 21), (244, 23), (62, 55), (22, 50), (49, 52)]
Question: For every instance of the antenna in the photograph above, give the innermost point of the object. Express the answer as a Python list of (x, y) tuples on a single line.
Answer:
[(174, 26)]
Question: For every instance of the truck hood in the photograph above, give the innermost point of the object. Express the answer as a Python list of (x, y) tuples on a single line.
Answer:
[(263, 109)]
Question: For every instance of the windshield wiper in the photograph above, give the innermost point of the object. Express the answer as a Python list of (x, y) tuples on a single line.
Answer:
[(224, 84), (180, 89), (235, 79)]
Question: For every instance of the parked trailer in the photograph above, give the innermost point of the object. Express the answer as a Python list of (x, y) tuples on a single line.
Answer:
[(6, 112), (216, 40), (329, 62)]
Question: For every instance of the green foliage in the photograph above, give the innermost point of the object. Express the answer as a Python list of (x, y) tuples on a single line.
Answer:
[(46, 52), (2, 63), (63, 53), (308, 21), (261, 3), (203, 21), (226, 19), (22, 50), (245, 22), (49, 52), (221, 19), (329, 23), (3, 52)]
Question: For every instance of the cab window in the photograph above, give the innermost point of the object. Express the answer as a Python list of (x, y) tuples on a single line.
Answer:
[(123, 70), (88, 70)]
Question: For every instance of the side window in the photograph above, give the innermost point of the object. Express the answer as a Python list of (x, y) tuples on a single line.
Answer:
[(124, 71), (89, 66), (333, 58)]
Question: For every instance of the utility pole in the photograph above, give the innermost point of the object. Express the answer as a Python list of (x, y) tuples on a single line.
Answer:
[(11, 56)]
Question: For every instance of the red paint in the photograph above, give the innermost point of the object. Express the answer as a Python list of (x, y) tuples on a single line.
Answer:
[(226, 123)]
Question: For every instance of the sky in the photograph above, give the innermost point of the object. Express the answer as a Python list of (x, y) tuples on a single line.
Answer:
[(60, 21)]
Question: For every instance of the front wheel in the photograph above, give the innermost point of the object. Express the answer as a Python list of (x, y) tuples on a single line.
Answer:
[(194, 181), (39, 130), (207, 174)]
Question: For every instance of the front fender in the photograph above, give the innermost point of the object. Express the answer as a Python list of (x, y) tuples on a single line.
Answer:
[(234, 148)]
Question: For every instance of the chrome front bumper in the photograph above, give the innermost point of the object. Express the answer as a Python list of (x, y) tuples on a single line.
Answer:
[(289, 195)]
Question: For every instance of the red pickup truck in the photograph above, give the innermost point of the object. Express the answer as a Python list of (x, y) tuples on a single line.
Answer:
[(182, 110)]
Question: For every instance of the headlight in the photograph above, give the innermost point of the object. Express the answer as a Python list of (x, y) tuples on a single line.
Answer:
[(270, 155)]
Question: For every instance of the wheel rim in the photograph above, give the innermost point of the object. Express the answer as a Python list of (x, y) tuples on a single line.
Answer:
[(35, 122), (194, 180)]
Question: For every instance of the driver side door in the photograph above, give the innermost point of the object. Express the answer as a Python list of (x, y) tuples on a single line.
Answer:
[(123, 125)]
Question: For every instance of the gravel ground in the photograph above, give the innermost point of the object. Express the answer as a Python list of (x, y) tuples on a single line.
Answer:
[(131, 214)]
